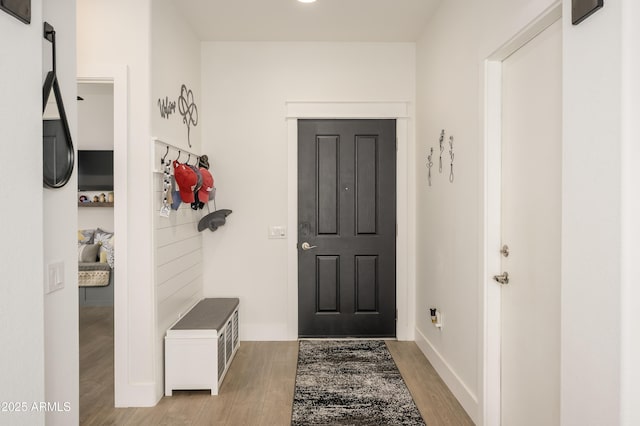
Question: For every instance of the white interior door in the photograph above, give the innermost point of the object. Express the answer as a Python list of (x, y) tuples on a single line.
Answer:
[(531, 225)]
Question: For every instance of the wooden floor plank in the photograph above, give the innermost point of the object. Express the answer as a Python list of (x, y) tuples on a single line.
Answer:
[(435, 401), (258, 388)]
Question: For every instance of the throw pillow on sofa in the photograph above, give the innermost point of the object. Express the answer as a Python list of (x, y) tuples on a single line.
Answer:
[(85, 236), (106, 242), (88, 252)]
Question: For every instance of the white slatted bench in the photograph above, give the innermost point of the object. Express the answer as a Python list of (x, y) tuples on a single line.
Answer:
[(199, 347)]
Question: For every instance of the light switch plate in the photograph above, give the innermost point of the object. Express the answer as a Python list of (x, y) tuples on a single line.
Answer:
[(55, 277), (277, 232)]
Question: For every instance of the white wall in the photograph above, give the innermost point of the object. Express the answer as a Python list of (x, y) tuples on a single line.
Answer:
[(175, 60), (592, 212), (450, 96), (60, 236), (117, 33), (40, 330), (630, 369), (245, 87), (447, 232), (95, 116), (21, 292)]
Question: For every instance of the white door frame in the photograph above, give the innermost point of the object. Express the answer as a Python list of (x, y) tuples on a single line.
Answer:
[(405, 200), (117, 75), (490, 300)]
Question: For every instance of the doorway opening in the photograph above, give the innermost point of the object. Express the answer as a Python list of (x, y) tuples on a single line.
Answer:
[(346, 228), (96, 238), (405, 188), (113, 79), (492, 344)]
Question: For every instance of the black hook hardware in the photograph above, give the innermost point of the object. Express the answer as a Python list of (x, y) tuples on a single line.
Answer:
[(165, 156), (58, 162), (50, 34), (179, 153)]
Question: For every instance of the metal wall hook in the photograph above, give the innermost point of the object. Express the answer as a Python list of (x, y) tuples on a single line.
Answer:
[(165, 155), (179, 153)]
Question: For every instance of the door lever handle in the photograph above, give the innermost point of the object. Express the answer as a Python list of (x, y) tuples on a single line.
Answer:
[(502, 278), (306, 246)]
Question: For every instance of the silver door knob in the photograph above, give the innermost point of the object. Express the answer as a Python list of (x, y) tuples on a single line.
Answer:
[(502, 278), (307, 246)]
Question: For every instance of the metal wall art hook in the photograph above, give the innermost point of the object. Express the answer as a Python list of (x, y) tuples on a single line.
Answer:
[(430, 164), (441, 149), (451, 154)]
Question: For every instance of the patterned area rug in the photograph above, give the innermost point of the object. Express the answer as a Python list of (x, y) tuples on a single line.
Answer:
[(350, 382)]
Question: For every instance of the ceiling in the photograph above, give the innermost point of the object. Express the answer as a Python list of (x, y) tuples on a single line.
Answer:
[(324, 20)]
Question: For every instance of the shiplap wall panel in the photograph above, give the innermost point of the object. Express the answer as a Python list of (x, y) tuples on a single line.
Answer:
[(188, 247), (166, 236), (176, 267), (173, 284), (178, 254), (175, 306), (181, 217)]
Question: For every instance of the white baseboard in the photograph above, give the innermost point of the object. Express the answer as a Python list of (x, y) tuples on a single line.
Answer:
[(138, 395), (463, 394), (264, 333)]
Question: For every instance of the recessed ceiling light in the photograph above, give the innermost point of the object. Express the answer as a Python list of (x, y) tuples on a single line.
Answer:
[(306, 1)]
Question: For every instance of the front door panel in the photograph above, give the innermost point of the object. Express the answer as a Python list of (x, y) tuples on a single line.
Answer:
[(347, 218)]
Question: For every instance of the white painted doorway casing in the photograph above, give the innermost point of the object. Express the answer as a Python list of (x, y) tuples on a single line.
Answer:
[(118, 76), (405, 191), (490, 302), (531, 226)]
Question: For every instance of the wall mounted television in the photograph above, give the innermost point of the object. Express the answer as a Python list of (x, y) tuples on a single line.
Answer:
[(95, 170)]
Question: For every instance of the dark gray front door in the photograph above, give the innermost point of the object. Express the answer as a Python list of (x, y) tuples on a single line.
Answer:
[(347, 228)]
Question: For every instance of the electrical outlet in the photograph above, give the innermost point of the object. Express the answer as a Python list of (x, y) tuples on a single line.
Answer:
[(436, 317)]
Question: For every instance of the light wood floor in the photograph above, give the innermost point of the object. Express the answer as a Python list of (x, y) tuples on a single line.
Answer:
[(258, 388)]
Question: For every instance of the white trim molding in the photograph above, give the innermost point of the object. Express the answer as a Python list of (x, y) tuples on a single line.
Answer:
[(126, 394), (405, 190), (345, 110)]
